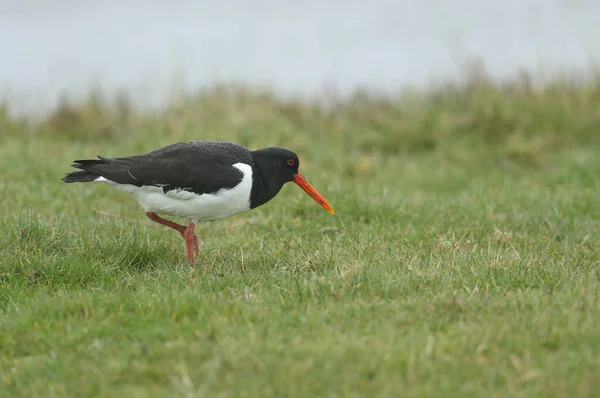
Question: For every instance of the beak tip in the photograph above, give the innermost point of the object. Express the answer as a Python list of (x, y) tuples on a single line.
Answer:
[(302, 183)]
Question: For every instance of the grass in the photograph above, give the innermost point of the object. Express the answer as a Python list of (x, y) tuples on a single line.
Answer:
[(463, 259)]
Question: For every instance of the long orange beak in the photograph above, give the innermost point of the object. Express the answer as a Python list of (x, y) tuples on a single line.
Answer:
[(302, 183)]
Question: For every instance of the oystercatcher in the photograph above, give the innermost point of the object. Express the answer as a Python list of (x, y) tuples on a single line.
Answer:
[(198, 181)]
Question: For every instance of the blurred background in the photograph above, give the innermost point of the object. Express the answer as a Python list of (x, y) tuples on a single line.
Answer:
[(69, 46), (464, 255)]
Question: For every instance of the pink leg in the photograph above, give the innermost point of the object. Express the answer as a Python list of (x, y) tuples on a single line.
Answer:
[(191, 241), (156, 218)]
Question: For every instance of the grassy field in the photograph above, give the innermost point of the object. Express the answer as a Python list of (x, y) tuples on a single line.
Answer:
[(463, 259)]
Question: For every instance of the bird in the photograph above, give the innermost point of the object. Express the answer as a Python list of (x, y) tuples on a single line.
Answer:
[(199, 181)]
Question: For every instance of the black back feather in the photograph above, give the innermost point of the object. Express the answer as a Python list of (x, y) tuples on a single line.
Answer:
[(196, 166)]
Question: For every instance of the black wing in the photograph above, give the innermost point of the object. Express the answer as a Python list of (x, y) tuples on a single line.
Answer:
[(196, 166)]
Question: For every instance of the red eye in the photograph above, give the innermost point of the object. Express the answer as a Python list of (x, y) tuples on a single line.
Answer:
[(291, 162)]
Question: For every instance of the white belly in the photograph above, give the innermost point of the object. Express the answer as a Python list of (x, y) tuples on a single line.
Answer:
[(207, 207)]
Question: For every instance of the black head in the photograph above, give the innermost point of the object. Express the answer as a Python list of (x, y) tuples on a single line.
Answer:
[(278, 166)]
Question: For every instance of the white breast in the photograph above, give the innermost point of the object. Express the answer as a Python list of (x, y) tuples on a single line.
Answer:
[(207, 207)]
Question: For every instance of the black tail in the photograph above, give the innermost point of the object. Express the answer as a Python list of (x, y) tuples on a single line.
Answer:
[(85, 175)]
